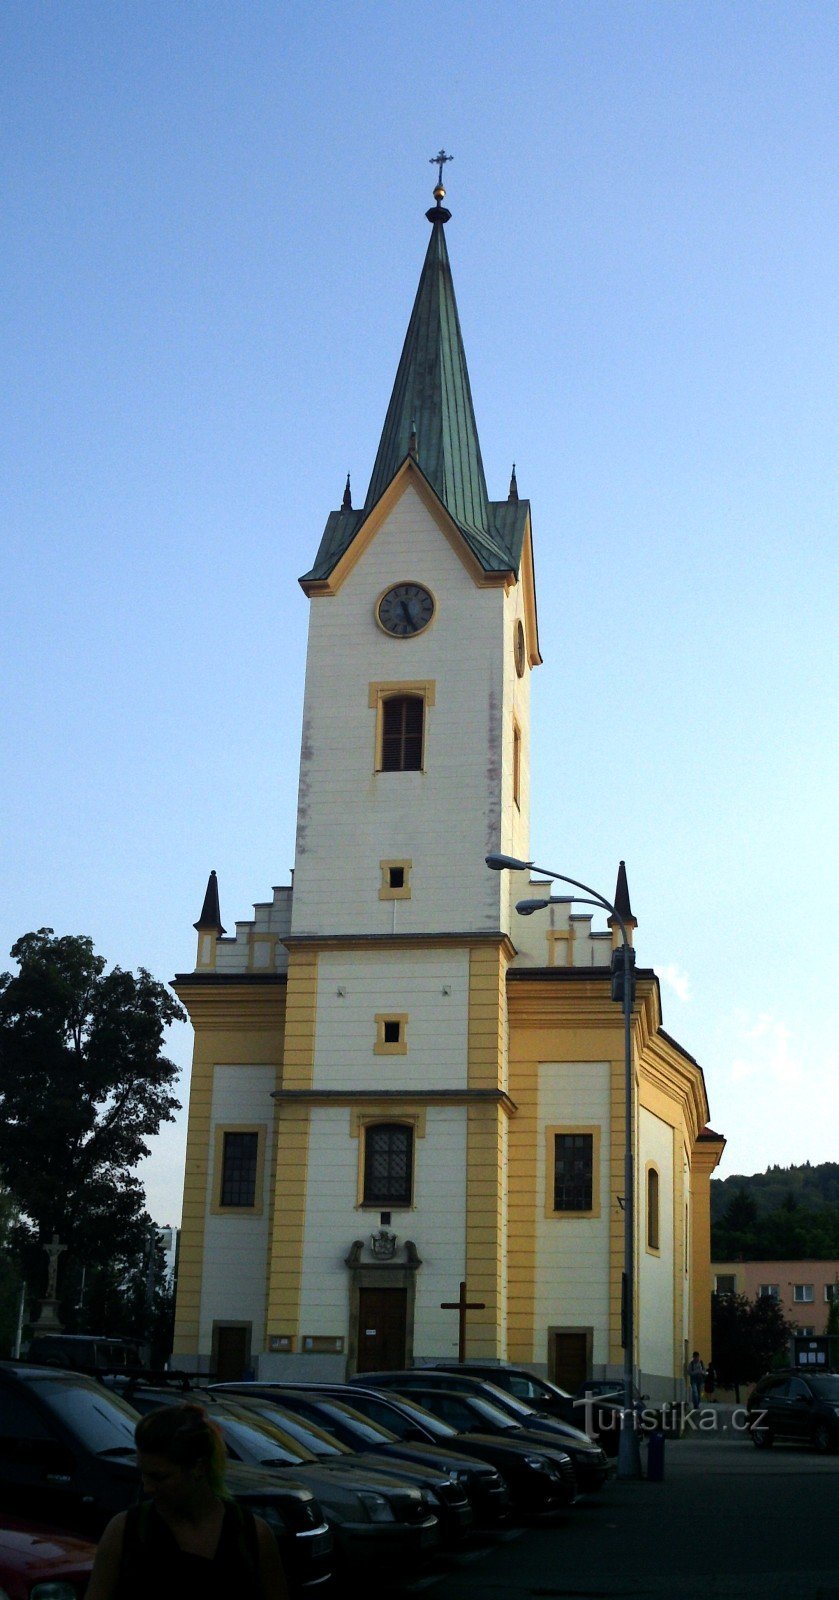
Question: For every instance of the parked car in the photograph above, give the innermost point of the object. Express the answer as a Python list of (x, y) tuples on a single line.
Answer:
[(38, 1564), (601, 1422), (798, 1406), (362, 1506), (411, 1427), (444, 1474), (67, 1456), (474, 1413), (538, 1485), (419, 1380)]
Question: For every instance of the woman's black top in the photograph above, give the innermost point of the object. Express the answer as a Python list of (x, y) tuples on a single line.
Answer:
[(153, 1566)]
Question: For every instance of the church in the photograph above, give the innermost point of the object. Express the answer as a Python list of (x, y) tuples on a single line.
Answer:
[(407, 1096)]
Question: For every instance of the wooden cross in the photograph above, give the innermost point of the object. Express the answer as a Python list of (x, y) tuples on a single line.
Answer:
[(439, 161), (462, 1305)]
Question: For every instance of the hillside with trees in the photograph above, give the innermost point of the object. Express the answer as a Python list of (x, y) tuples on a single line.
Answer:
[(784, 1213)]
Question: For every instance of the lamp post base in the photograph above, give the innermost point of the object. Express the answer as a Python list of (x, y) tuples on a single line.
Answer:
[(629, 1448)]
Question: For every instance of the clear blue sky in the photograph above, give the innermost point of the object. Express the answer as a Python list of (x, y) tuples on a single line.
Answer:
[(213, 219)]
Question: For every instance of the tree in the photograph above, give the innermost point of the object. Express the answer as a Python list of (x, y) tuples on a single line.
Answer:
[(83, 1086), (747, 1337)]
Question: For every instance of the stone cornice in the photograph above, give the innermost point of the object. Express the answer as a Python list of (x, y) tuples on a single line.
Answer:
[(396, 941), (420, 1096)]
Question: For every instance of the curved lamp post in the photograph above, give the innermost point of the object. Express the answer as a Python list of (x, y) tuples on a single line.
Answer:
[(629, 1460)]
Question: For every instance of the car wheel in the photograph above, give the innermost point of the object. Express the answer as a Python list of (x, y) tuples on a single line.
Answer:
[(762, 1438), (823, 1439)]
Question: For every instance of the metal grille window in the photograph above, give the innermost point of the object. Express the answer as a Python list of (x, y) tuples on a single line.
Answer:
[(238, 1174), (402, 718), (388, 1164), (573, 1171)]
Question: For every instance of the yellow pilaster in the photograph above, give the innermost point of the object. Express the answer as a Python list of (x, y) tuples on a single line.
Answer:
[(486, 1244), (285, 1269), (706, 1156)]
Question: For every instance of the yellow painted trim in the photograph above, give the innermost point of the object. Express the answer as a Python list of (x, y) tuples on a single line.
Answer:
[(401, 638), (216, 1207), (385, 890), (522, 1205), (381, 1046), (378, 693), (554, 1128), (205, 959), (408, 475), (528, 584), (292, 1146), (360, 1121), (240, 1023), (382, 1111), (652, 1249), (559, 937), (516, 764)]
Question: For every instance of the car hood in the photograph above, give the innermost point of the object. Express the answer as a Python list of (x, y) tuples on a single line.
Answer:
[(41, 1554)]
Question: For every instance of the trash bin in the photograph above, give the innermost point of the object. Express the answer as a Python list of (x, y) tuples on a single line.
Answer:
[(655, 1456)]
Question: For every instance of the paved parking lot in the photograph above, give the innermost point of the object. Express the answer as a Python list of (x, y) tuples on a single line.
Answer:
[(728, 1521)]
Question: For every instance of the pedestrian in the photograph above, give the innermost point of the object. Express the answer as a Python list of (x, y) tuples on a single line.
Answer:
[(696, 1375), (189, 1536), (710, 1381)]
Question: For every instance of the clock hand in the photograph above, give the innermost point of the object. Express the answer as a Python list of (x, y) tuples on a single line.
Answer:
[(405, 611)]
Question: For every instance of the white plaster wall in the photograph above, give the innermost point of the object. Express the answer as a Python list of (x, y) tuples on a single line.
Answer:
[(435, 1223), (572, 1253), (396, 981), (656, 1272), (236, 1248), (515, 819), (444, 819)]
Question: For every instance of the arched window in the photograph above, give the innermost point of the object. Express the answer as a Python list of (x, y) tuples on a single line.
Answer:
[(402, 720), (652, 1208), (388, 1164)]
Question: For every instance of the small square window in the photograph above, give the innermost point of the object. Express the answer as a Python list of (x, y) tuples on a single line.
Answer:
[(769, 1291), (802, 1293), (725, 1283), (395, 880), (391, 1034)]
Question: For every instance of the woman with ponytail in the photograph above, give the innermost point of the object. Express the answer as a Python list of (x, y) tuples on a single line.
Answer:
[(188, 1536)]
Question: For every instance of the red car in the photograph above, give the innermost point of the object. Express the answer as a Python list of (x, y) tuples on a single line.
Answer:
[(36, 1564)]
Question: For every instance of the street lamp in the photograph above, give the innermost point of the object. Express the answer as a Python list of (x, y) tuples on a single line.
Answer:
[(629, 1460)]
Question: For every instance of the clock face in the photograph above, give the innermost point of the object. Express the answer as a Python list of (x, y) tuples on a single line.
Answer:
[(405, 609), (518, 646)]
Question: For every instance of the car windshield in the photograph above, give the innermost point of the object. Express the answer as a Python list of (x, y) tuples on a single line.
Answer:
[(363, 1428), (100, 1420), (255, 1445), (825, 1387), (435, 1425), (488, 1410), (305, 1433)]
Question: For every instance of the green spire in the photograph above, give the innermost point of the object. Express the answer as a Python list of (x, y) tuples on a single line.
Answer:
[(432, 400)]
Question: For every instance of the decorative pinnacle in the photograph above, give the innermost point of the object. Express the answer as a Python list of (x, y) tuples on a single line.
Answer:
[(439, 213), (514, 488), (346, 503)]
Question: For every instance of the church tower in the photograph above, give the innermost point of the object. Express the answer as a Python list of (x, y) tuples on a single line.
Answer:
[(414, 764), (401, 1084)]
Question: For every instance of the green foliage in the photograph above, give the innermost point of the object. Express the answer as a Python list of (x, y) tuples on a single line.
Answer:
[(788, 1218), (84, 1084), (747, 1337)]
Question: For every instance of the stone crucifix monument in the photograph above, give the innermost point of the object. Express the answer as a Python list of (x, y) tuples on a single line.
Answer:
[(48, 1320)]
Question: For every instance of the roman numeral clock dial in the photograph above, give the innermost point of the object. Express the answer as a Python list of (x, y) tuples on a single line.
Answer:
[(405, 610)]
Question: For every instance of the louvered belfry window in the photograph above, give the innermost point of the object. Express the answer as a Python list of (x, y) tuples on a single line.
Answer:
[(388, 1164), (402, 717), (573, 1171), (238, 1178)]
